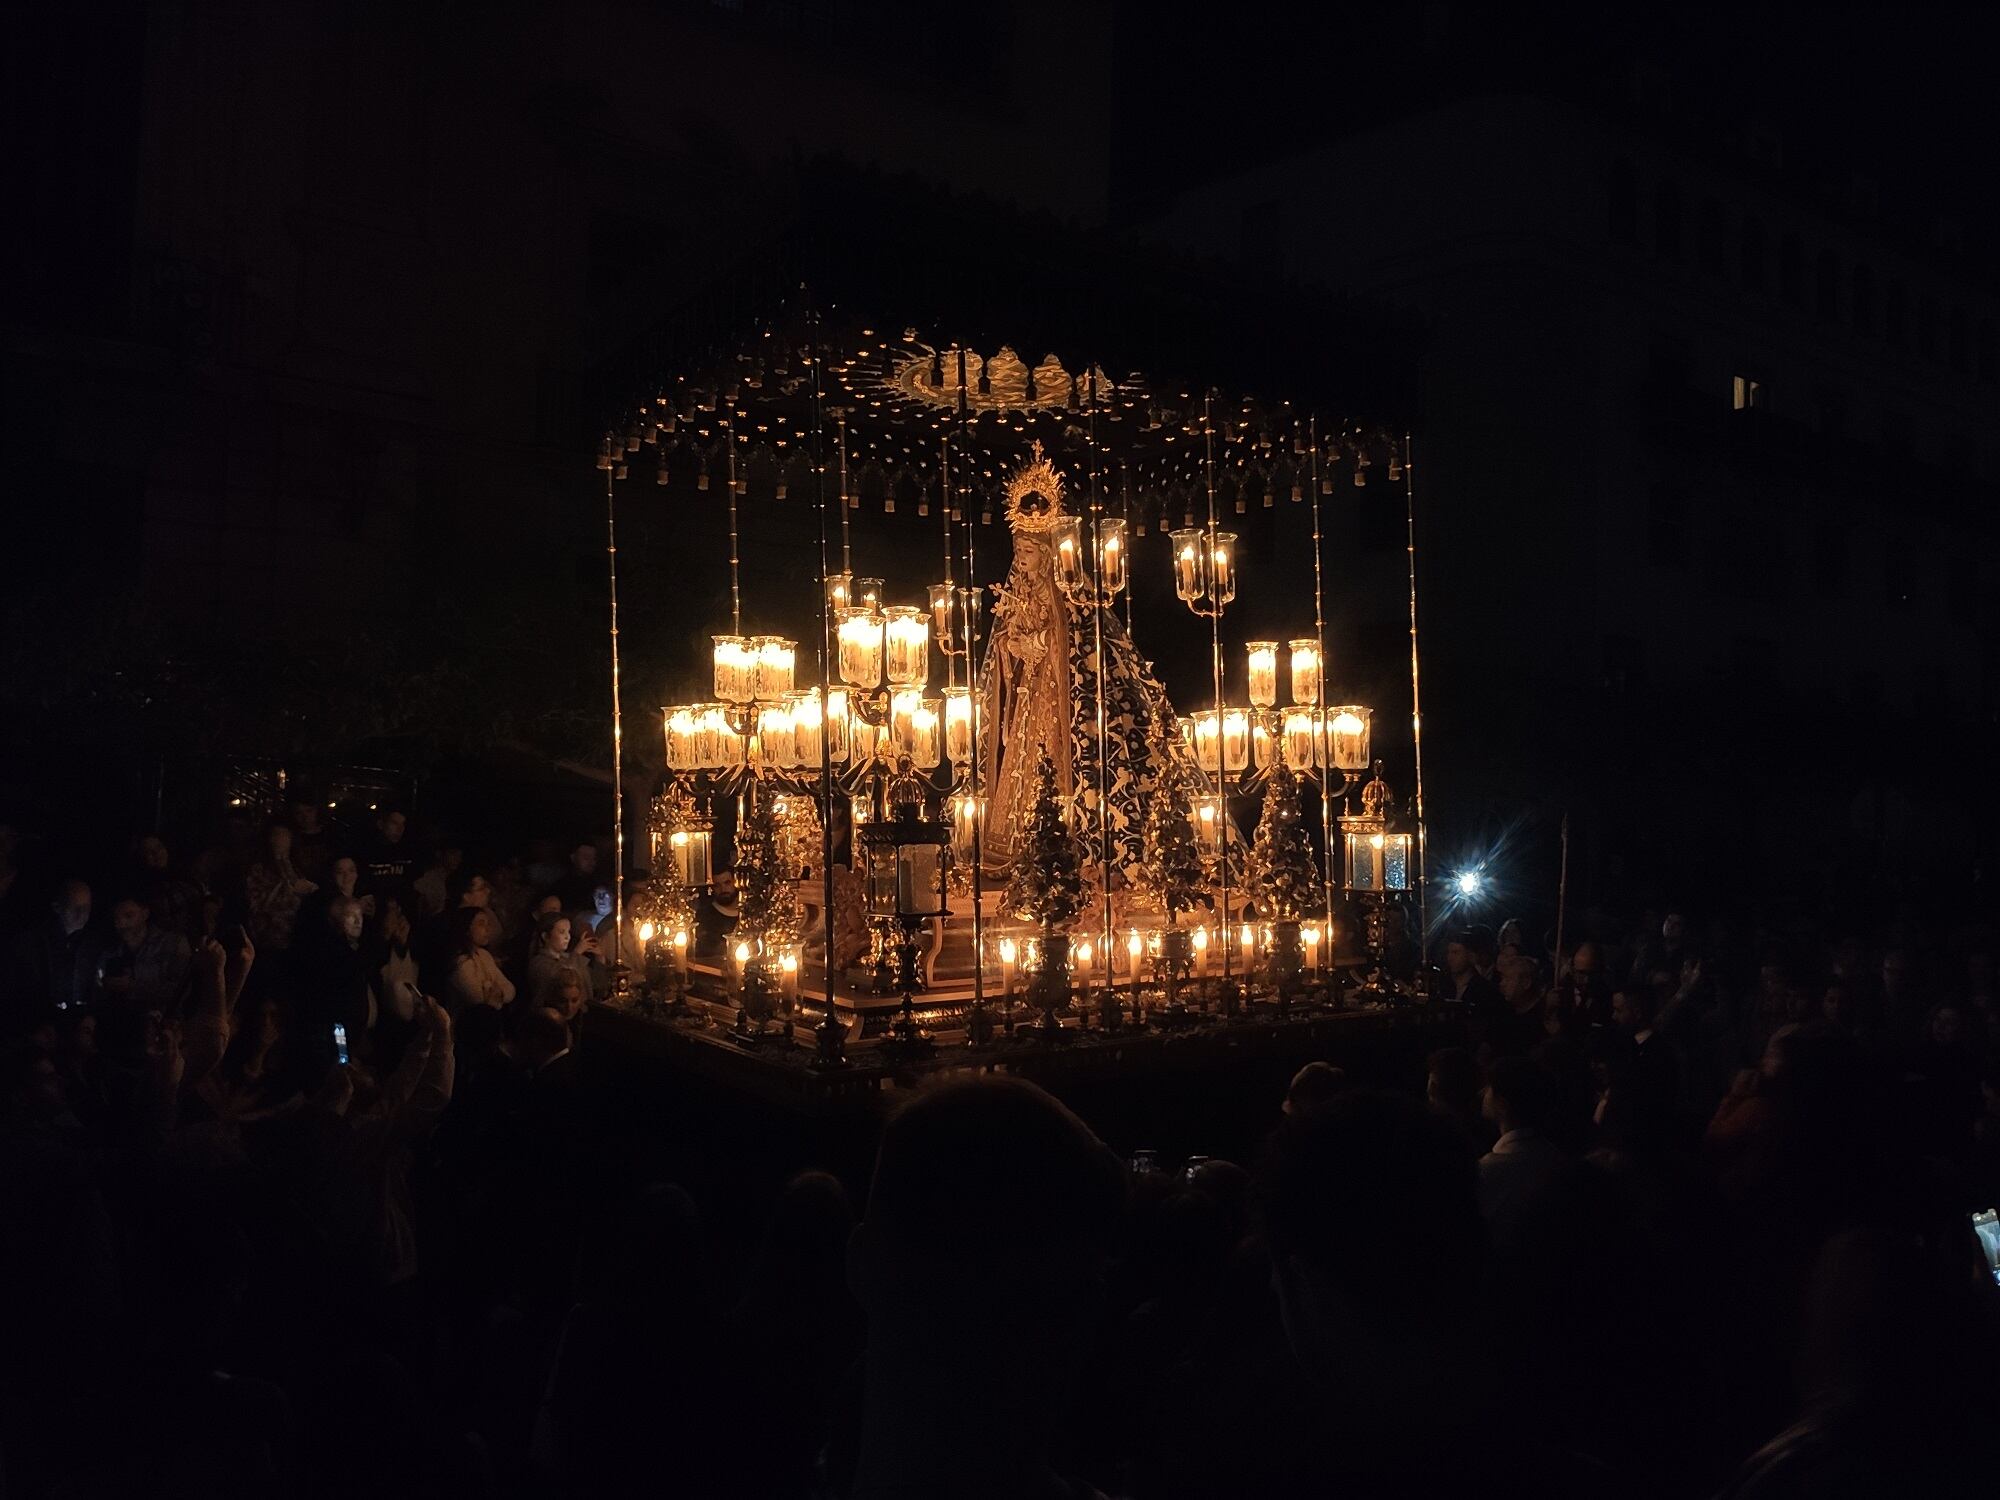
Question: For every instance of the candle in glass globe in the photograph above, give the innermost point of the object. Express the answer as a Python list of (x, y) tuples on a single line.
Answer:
[(735, 666), (772, 675), (807, 721), (958, 725), (1222, 568), (1067, 537), (1208, 740), (903, 706), (1111, 550), (774, 736), (1305, 672), (860, 638), (1263, 743), (944, 615), (1299, 737), (1347, 738), (907, 658), (924, 735), (1235, 740), (868, 593), (1190, 564), (1208, 819), (836, 725), (1263, 673)]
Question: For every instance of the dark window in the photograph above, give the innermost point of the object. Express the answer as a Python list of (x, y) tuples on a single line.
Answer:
[(1827, 297), (1791, 269), (1830, 561), (1667, 526), (1896, 314), (1667, 220), (1624, 203), (1752, 253), (1713, 258), (1862, 301)]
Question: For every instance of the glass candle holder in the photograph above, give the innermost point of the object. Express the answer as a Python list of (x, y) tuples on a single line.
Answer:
[(859, 635), (1190, 564), (808, 730), (1112, 549), (907, 655), (772, 678), (1207, 725), (864, 738), (1300, 735), (774, 736), (1066, 538), (903, 706), (683, 730), (1263, 673), (735, 669), (1208, 821), (926, 737), (958, 725), (1235, 740), (944, 616), (1347, 738), (967, 813), (836, 725), (1305, 673), (868, 593), (839, 592), (1263, 741), (692, 851), (1222, 568)]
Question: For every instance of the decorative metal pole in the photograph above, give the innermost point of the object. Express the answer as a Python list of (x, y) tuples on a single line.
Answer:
[(846, 548), (969, 603), (1215, 650), (832, 1035), (1416, 703), (1321, 737), (617, 743), (1099, 607)]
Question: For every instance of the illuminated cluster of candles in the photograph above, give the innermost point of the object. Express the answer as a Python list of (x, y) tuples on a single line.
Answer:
[(1128, 956), (1235, 739)]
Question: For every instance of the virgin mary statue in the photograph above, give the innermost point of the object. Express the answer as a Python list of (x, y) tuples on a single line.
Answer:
[(1039, 692)]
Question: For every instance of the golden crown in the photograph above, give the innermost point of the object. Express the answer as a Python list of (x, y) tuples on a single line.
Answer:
[(1034, 493)]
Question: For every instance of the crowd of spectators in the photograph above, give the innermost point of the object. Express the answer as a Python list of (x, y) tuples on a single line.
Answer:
[(304, 1189)]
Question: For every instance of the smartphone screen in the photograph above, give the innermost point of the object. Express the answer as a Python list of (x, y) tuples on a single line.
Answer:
[(340, 1043), (1986, 1224)]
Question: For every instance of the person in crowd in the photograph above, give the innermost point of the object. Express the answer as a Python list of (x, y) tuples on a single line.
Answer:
[(147, 967), (312, 841), (1312, 1086), (475, 975), (388, 859), (579, 882), (1524, 1164), (337, 972), (1464, 980), (273, 891), (551, 961), (1585, 989), (1370, 1213), (342, 879), (436, 944), (1452, 1087), (1517, 1023), (715, 914), (984, 1182), (396, 978), (433, 886), (56, 961), (173, 897)]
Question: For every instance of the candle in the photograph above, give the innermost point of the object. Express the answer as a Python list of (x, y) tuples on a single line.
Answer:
[(1235, 740), (1263, 673), (868, 593), (788, 974), (807, 729), (1208, 740), (903, 708), (681, 951), (1311, 936), (864, 738), (735, 664), (1135, 947), (774, 737), (771, 677), (1347, 738), (1208, 820), (683, 739), (958, 725), (860, 643), (1069, 554), (1305, 672), (839, 592), (924, 735), (741, 956), (1299, 738), (1083, 953), (645, 937), (908, 655), (1249, 936), (1201, 951), (944, 596), (1111, 554), (836, 725), (966, 813), (860, 809), (1263, 744), (1222, 568), (1190, 572), (1007, 951)]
